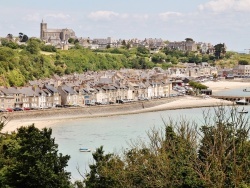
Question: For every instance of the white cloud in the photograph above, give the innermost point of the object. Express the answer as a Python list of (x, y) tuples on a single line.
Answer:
[(226, 5), (103, 15), (168, 15)]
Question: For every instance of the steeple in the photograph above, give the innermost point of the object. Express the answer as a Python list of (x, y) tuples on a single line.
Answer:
[(43, 27)]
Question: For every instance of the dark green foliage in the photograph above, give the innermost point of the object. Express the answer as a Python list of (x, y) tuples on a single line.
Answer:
[(31, 159), (71, 40), (224, 150), (243, 62), (168, 162), (142, 51), (95, 179), (48, 48), (158, 58), (23, 38), (197, 85), (33, 46), (189, 39), (9, 43), (219, 51)]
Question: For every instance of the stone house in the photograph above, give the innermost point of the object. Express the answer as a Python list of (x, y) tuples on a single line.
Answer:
[(15, 93), (30, 99), (242, 70), (68, 95), (53, 95), (6, 99)]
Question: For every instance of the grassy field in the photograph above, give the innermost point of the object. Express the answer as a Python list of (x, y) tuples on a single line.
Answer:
[(47, 53)]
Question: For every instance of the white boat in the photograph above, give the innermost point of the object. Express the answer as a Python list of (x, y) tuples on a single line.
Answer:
[(84, 150), (246, 89), (242, 102)]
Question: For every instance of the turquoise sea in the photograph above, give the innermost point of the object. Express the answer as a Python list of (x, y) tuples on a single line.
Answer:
[(116, 132)]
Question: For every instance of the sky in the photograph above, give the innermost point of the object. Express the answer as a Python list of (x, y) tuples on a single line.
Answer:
[(210, 21)]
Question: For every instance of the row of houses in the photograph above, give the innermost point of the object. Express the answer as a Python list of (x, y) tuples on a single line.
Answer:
[(108, 86), (241, 71), (48, 96), (153, 44)]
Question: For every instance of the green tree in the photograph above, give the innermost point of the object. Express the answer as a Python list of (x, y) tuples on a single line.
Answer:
[(243, 62), (15, 78), (33, 46), (224, 150), (123, 42), (219, 51), (32, 160), (158, 57), (71, 40), (142, 50), (216, 155), (95, 178), (76, 41)]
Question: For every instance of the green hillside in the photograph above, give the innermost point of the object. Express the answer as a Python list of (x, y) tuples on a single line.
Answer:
[(21, 63)]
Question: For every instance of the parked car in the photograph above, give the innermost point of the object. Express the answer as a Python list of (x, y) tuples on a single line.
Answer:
[(9, 109), (90, 104), (17, 109), (26, 108), (34, 108), (59, 106), (3, 110)]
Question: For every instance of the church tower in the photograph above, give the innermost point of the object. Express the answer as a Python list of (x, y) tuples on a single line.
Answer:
[(43, 27)]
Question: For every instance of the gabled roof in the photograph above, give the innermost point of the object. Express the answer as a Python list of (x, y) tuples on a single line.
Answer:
[(69, 90), (50, 88), (108, 87), (28, 91), (10, 91)]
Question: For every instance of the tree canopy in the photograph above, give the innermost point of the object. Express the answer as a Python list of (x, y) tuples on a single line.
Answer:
[(30, 158)]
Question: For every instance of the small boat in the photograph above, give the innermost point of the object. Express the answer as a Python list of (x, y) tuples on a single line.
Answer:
[(242, 102), (243, 112), (246, 89), (84, 150)]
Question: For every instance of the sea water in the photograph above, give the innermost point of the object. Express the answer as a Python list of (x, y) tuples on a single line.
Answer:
[(232, 92), (116, 132), (113, 133)]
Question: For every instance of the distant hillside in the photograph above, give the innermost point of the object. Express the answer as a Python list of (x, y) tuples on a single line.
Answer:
[(21, 63)]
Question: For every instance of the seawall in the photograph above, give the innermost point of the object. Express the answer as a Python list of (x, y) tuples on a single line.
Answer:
[(88, 111)]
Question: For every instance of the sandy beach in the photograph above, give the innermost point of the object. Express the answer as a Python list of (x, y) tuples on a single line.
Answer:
[(183, 102)]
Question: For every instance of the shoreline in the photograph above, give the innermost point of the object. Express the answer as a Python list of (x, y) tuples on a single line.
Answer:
[(49, 120)]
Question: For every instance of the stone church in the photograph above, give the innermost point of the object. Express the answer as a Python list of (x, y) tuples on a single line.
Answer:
[(55, 36)]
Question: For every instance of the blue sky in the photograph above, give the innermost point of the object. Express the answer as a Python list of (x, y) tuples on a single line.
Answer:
[(214, 21)]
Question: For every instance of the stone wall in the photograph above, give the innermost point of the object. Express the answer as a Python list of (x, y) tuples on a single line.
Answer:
[(89, 111)]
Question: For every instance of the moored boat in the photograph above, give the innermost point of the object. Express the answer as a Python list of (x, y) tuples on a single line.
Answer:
[(242, 102), (246, 89), (243, 112), (84, 150)]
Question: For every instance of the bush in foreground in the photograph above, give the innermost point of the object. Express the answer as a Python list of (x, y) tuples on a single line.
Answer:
[(215, 155)]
